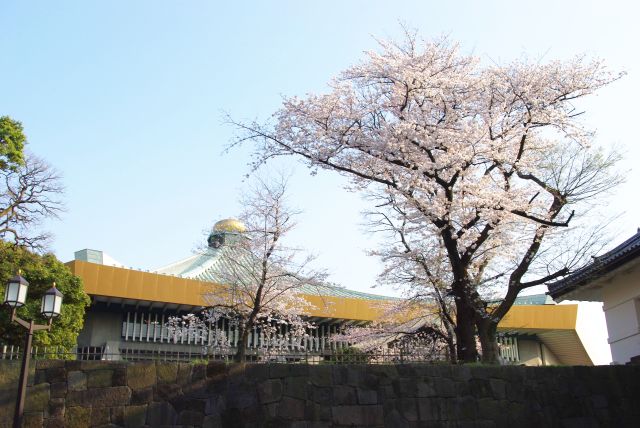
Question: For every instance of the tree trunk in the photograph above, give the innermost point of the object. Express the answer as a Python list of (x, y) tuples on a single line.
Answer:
[(487, 330), (451, 342), (451, 350), (241, 352), (465, 333)]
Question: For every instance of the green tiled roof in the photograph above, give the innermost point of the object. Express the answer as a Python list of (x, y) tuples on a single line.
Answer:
[(213, 265)]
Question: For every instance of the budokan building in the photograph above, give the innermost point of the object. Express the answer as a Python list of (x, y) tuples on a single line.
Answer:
[(129, 310)]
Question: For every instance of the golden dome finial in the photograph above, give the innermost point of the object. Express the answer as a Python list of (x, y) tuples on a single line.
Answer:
[(229, 225)]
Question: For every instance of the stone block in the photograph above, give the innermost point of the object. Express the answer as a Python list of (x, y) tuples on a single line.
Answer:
[(321, 394), (242, 396), (141, 375), (100, 416), (599, 401), (212, 421), (56, 408), (407, 370), (464, 408), (161, 414), (89, 365), (184, 373), (198, 372), (491, 409), (343, 395), (141, 396), (320, 375), (384, 373), (445, 387), (357, 415), (481, 388), (367, 396), (197, 390), (117, 415), (187, 403), (76, 381), (297, 369), (345, 375), (296, 387), (580, 422), (461, 373), (37, 399), (135, 416), (316, 412), (425, 389), (215, 405), (77, 417), (270, 391), (406, 387), (54, 423), (291, 408), (235, 418), (498, 389), (370, 381), (167, 392), (395, 419), (429, 409), (190, 417), (33, 420), (72, 365), (39, 377), (49, 364), (166, 372), (119, 377), (516, 392), (58, 389), (56, 374), (408, 409), (278, 370), (100, 378), (316, 424), (253, 372), (100, 397)]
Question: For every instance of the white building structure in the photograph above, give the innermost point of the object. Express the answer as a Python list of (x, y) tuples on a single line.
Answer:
[(614, 279)]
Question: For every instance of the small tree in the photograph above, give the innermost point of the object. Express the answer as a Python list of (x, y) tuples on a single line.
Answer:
[(420, 271), (262, 277), (490, 162), (29, 193), (41, 271)]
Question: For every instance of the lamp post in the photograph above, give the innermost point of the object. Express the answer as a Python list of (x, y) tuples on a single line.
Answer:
[(14, 297)]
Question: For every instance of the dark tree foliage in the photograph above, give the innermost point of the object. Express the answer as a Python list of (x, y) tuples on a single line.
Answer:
[(41, 271)]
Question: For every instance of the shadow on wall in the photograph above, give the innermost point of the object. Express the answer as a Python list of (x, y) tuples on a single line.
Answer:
[(86, 393)]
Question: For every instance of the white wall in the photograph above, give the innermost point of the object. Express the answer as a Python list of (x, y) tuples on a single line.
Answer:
[(591, 327), (622, 309)]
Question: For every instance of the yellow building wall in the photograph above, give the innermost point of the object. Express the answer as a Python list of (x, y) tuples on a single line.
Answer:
[(110, 281)]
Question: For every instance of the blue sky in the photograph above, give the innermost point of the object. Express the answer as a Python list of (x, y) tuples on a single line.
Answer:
[(126, 100)]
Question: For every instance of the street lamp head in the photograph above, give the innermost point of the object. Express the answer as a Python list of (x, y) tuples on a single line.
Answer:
[(51, 303), (15, 294)]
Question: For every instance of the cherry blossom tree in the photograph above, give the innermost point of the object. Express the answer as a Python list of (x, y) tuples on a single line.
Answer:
[(491, 162), (419, 270), (263, 277)]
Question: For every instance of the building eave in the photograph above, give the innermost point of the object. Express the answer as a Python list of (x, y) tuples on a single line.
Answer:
[(622, 255)]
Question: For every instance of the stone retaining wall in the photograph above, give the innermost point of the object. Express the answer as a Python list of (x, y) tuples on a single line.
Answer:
[(94, 393)]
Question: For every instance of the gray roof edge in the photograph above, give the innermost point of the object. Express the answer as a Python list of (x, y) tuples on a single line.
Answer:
[(620, 255)]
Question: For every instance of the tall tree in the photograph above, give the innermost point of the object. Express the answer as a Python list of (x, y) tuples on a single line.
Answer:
[(490, 161)]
